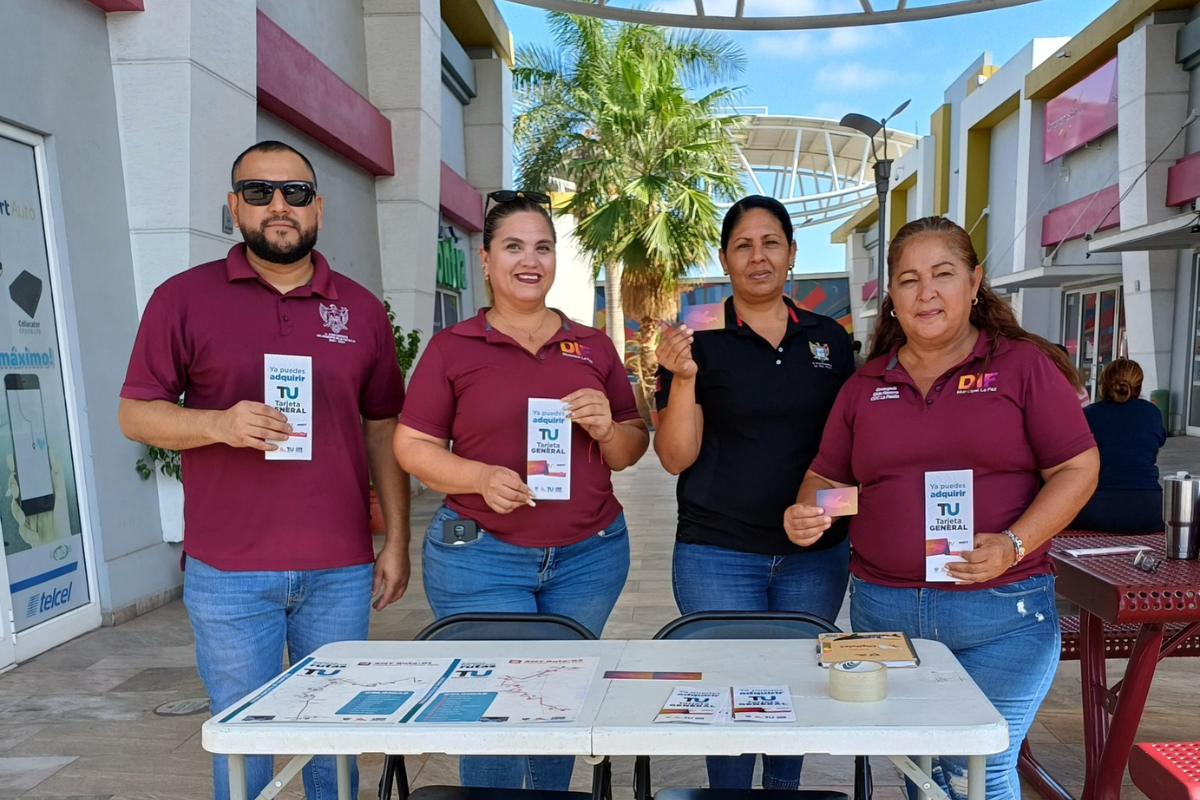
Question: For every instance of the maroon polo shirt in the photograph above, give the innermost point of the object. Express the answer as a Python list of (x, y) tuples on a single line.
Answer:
[(472, 386), (203, 336), (1006, 418)]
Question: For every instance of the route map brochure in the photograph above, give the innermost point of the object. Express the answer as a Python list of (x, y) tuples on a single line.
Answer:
[(890, 648), (345, 691), (509, 690)]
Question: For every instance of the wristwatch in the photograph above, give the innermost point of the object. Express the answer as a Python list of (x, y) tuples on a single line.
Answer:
[(1018, 547)]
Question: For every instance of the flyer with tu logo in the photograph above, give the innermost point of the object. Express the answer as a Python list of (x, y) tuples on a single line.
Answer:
[(949, 520), (548, 461), (288, 389)]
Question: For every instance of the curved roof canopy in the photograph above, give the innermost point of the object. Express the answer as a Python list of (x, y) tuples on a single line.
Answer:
[(770, 15), (818, 169)]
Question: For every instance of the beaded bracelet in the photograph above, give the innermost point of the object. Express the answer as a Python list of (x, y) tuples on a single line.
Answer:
[(1018, 547)]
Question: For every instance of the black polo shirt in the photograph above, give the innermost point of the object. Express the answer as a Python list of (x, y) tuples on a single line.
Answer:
[(764, 410)]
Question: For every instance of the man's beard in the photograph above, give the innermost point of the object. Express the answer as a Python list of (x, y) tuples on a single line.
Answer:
[(276, 252)]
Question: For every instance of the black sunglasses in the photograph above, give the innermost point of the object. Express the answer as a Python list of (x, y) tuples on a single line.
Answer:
[(260, 193), (503, 196)]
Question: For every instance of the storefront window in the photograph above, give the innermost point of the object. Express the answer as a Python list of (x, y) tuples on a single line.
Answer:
[(39, 514), (451, 276), (445, 310), (1070, 337), (1194, 393), (1094, 330)]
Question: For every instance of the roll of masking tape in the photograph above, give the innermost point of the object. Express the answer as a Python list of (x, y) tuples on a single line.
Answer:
[(858, 681)]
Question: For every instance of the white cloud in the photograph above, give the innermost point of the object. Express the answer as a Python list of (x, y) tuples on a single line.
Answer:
[(830, 109), (800, 8), (853, 76), (754, 8), (858, 42)]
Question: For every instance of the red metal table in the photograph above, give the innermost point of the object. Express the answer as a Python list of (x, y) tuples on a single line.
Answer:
[(1111, 589)]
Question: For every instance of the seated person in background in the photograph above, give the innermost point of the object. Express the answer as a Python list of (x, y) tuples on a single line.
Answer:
[(1129, 431)]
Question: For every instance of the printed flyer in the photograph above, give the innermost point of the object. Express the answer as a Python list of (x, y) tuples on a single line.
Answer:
[(949, 520), (288, 388), (704, 705), (548, 464)]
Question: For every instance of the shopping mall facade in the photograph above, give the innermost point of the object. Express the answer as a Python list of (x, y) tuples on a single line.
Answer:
[(1075, 170), (119, 120)]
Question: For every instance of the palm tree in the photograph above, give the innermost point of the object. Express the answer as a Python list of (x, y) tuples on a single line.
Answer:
[(616, 110)]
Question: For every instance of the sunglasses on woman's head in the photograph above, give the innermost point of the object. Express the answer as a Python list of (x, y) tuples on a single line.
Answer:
[(260, 192), (502, 196), (508, 195)]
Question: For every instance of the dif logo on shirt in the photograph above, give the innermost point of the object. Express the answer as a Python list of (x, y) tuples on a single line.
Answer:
[(576, 350), (974, 384)]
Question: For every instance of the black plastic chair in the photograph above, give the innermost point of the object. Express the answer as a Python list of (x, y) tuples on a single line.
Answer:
[(749, 625), (506, 627)]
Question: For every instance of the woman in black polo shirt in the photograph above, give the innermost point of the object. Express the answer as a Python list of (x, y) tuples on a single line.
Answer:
[(741, 410)]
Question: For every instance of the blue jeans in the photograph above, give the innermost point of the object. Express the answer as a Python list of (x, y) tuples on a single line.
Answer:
[(1006, 638), (581, 581), (243, 620), (707, 578)]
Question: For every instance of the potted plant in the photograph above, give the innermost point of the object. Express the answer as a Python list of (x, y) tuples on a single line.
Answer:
[(170, 492), (407, 345)]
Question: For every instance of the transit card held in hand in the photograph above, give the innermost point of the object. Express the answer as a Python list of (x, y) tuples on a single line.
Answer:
[(705, 317), (838, 502), (890, 648)]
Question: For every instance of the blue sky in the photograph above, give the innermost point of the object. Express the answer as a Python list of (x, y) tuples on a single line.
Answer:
[(868, 69)]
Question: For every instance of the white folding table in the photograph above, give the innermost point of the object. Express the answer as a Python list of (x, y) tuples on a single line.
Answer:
[(345, 740), (932, 709)]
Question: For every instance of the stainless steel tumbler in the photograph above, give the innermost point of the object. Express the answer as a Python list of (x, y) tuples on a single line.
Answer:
[(1180, 494)]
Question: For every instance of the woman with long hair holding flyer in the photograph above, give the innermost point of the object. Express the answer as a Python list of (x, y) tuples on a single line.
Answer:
[(963, 435)]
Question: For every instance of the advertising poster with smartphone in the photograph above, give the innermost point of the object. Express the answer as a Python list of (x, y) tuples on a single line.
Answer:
[(39, 509)]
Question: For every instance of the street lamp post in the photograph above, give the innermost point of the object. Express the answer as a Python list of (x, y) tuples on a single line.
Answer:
[(883, 175)]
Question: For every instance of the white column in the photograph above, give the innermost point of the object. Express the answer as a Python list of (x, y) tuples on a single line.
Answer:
[(1035, 180), (185, 77), (487, 127), (1152, 91), (488, 134), (860, 268), (184, 72), (404, 76)]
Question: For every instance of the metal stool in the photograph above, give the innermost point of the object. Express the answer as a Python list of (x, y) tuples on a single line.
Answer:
[(1166, 771)]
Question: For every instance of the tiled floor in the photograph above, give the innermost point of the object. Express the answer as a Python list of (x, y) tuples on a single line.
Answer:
[(79, 722)]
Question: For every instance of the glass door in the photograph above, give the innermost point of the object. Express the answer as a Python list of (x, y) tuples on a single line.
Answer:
[(1094, 330), (47, 595), (1193, 417)]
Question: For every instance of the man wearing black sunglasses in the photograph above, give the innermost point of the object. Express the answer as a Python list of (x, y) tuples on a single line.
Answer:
[(278, 553)]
